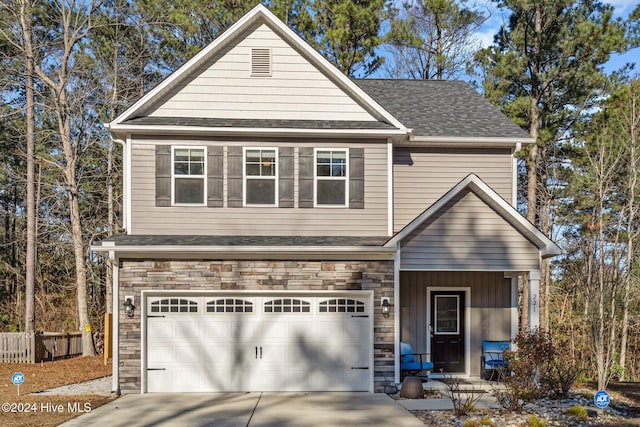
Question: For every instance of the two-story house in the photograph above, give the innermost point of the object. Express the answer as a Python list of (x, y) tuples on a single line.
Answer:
[(287, 227)]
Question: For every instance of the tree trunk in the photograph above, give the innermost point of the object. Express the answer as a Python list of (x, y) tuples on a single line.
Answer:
[(634, 121), (534, 130), (30, 256), (88, 348)]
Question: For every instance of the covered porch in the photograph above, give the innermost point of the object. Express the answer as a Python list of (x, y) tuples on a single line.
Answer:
[(448, 314), (458, 265)]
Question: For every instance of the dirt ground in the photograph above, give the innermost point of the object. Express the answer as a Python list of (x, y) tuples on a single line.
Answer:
[(31, 411)]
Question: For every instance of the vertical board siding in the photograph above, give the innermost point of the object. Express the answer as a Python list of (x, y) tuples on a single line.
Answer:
[(489, 309), (467, 234), (423, 175), (295, 90), (146, 218)]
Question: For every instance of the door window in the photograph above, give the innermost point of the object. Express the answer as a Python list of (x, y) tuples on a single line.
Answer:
[(447, 315)]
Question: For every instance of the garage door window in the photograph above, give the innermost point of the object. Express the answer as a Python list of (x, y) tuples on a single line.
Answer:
[(174, 305), (229, 305), (287, 305), (341, 305)]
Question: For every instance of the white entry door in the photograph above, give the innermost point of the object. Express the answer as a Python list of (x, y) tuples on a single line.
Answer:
[(258, 343)]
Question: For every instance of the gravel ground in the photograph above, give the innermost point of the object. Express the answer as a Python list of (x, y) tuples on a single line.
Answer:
[(100, 387)]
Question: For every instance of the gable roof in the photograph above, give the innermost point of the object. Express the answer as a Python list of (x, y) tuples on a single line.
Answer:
[(440, 108), (135, 117), (472, 182)]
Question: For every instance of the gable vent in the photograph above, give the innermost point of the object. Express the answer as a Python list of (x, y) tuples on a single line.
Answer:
[(260, 62)]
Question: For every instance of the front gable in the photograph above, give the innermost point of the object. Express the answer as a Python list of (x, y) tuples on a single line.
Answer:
[(467, 234), (258, 75), (471, 228), (294, 89)]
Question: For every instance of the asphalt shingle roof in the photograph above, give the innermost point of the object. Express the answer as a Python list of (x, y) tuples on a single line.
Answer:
[(441, 108), (266, 241), (432, 108), (259, 123)]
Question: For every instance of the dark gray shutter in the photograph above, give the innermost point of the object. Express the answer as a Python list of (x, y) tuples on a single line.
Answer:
[(356, 178), (234, 177), (285, 176), (214, 177), (305, 177), (163, 175)]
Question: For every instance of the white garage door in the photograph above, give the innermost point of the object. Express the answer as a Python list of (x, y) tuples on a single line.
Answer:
[(258, 343)]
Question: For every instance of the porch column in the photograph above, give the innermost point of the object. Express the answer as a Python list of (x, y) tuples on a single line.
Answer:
[(534, 300), (515, 327)]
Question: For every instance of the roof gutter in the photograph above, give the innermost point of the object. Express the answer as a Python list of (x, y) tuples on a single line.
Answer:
[(224, 252), (225, 131), (464, 141)]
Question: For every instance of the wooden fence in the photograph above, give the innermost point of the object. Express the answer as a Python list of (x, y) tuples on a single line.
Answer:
[(23, 347)]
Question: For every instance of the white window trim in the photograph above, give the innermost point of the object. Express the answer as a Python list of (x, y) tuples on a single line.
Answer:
[(337, 178), (275, 178), (174, 176)]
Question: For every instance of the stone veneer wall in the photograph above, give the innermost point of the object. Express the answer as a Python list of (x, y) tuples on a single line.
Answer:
[(210, 275)]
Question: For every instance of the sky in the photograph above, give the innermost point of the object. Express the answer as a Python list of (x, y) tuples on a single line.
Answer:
[(498, 17)]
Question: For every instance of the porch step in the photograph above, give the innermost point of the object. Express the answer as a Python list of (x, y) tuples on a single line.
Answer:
[(466, 384)]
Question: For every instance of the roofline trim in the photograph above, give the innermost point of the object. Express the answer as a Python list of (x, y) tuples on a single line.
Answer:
[(546, 246), (254, 14), (250, 252), (111, 246), (469, 140), (121, 129)]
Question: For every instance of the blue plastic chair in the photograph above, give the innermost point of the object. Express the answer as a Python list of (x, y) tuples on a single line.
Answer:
[(493, 361), (413, 362)]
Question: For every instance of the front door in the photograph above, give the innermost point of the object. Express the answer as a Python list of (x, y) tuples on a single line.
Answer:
[(447, 331)]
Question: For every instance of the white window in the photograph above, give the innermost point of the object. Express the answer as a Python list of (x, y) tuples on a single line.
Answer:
[(189, 175), (260, 176), (331, 182)]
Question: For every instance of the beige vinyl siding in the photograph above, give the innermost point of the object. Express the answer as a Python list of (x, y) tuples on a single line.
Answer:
[(146, 218), (295, 90), (467, 234), (423, 175), (489, 309)]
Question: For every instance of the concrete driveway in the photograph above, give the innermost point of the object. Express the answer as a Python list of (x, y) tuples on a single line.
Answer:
[(249, 409)]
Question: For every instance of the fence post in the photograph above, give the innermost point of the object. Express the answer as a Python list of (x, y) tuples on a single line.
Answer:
[(32, 347)]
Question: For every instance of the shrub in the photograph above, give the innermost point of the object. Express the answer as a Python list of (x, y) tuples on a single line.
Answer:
[(537, 367), (484, 421), (464, 401), (534, 421), (558, 375), (578, 411), (521, 387)]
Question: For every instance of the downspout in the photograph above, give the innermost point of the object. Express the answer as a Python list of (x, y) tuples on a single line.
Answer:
[(390, 219)]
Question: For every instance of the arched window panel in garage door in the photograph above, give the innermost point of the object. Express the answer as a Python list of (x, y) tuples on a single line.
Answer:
[(174, 305), (229, 305), (287, 305), (341, 305)]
